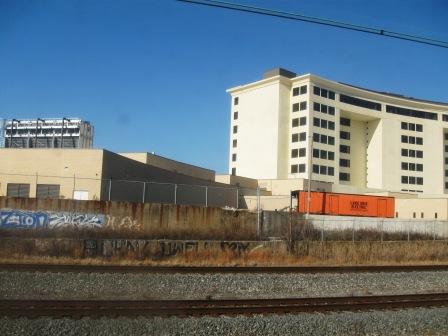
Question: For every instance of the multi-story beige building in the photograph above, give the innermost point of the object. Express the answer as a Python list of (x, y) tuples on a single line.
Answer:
[(285, 124)]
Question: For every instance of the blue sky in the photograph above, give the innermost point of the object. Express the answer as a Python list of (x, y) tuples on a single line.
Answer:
[(151, 75)]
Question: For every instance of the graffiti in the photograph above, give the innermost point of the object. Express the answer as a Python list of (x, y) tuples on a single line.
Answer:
[(77, 220), (20, 219), (117, 223), (17, 219), (171, 248), (234, 246)]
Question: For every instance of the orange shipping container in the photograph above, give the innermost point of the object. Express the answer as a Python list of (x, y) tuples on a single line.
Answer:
[(324, 203)]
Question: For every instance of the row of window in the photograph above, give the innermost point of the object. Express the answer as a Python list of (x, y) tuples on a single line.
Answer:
[(236, 101), (297, 168), (412, 140), (234, 143), (323, 139), (419, 191), (300, 152), (412, 153), (299, 90), (323, 154), (322, 123), (412, 180), (344, 149), (412, 166), (411, 126), (233, 157), (323, 170), (235, 115), (299, 106), (323, 108), (324, 93), (344, 135), (298, 137), (344, 176), (345, 121), (42, 190), (299, 121), (411, 113), (359, 102), (344, 163)]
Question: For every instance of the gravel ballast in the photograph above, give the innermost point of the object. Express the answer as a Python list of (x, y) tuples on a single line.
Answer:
[(401, 322), (28, 285)]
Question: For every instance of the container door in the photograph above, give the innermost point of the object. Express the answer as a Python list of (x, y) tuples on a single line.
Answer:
[(334, 205), (382, 208)]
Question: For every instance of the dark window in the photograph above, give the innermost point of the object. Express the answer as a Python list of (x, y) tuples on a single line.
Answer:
[(233, 157), (295, 91), (324, 108), (316, 91), (419, 128), (404, 179), (446, 185), (236, 100), (235, 129), (404, 166), (295, 122), (444, 117), (420, 180), (323, 170), (323, 139), (303, 89), (330, 171), (234, 143), (331, 95), (360, 102), (446, 173), (344, 149), (344, 163), (315, 153), (420, 154), (404, 125), (344, 176), (446, 148), (411, 127), (421, 214), (345, 135), (302, 136), (302, 105), (235, 115), (345, 121), (404, 152), (323, 154), (295, 137), (330, 155), (302, 121), (446, 136), (18, 190), (411, 179), (419, 141), (411, 153), (316, 107), (302, 152), (294, 169), (413, 215), (316, 137), (48, 190), (296, 107), (412, 140), (323, 123), (316, 169), (330, 110), (324, 93), (330, 140), (331, 125), (301, 168), (412, 166), (446, 160), (294, 153), (404, 139), (411, 113), (233, 171), (316, 122)]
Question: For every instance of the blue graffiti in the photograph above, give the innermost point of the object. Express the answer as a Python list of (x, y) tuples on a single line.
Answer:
[(17, 219)]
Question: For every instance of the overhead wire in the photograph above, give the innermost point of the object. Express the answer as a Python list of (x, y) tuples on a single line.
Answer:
[(316, 20)]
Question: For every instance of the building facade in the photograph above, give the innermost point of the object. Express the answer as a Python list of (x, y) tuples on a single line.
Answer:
[(287, 126), (47, 133)]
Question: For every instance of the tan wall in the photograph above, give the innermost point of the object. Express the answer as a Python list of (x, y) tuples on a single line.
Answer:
[(242, 182), (66, 167), (172, 165), (428, 206), (270, 203)]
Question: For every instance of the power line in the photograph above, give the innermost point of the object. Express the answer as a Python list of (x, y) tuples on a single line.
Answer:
[(326, 22)]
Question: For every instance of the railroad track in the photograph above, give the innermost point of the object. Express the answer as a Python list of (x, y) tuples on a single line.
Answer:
[(212, 269), (132, 308)]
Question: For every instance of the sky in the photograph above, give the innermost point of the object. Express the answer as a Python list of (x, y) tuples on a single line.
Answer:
[(151, 75)]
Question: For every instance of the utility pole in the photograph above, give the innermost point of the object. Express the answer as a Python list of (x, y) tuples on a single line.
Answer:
[(310, 163)]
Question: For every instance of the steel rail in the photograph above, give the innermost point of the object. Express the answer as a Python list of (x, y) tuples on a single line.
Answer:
[(217, 269), (133, 308)]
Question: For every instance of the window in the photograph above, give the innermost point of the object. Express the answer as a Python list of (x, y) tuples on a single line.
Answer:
[(404, 152), (316, 122), (316, 107), (412, 140), (444, 117), (235, 115), (330, 140), (233, 157), (344, 149), (404, 125), (323, 154), (344, 135), (302, 105), (344, 163), (294, 153), (302, 152), (295, 122), (234, 143), (404, 139), (294, 169), (330, 171), (235, 129), (316, 169), (411, 126), (331, 125), (411, 153), (331, 95), (303, 89), (404, 166), (419, 154), (420, 180), (302, 136), (419, 127), (404, 180), (301, 168), (413, 215), (446, 185), (315, 153), (345, 121), (48, 191), (419, 140), (316, 137), (411, 113), (324, 108), (435, 215), (233, 171), (323, 139), (316, 91), (324, 93), (296, 107), (323, 170), (421, 215), (344, 176), (302, 121), (296, 91), (411, 179), (359, 102), (323, 123), (295, 137), (18, 190), (412, 166), (331, 110), (330, 155), (446, 136), (236, 101), (446, 160)]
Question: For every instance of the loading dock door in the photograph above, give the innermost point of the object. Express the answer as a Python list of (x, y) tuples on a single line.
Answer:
[(382, 208), (334, 205)]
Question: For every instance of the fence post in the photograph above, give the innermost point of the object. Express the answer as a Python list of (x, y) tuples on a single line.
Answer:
[(322, 230), (237, 198), (409, 233), (37, 181), (382, 229), (175, 194), (353, 231), (434, 229), (144, 191), (110, 188), (74, 185), (206, 196), (258, 212)]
